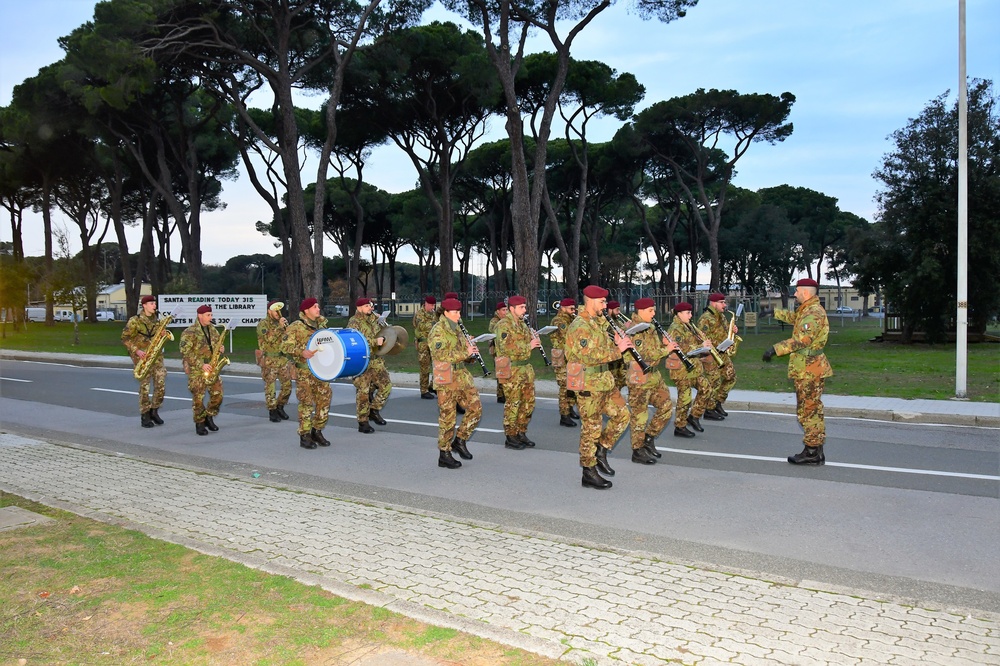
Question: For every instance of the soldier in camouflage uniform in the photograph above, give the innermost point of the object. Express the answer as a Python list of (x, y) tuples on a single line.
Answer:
[(312, 393), (588, 343), (423, 319), (274, 366), (515, 341), (373, 386), (501, 312), (137, 336), (617, 367), (648, 389), (450, 346), (808, 367), (567, 399), (198, 342), (683, 333), (713, 324)]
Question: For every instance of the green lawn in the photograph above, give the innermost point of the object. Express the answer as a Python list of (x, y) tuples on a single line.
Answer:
[(861, 367)]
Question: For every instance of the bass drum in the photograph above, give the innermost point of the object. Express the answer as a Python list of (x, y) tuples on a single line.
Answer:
[(340, 353)]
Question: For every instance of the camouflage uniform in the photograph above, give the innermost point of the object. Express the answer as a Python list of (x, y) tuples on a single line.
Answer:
[(808, 366), (423, 320), (274, 367), (721, 380), (448, 343), (562, 320), (138, 335), (513, 340), (197, 344), (373, 385), (588, 342), (493, 352), (652, 390), (312, 394), (684, 335)]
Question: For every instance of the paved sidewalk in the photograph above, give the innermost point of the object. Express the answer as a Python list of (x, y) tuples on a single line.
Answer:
[(550, 596)]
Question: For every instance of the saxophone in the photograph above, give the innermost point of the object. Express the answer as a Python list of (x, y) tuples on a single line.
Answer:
[(158, 338), (218, 361), (736, 340)]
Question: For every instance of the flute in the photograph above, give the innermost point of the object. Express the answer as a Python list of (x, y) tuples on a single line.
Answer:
[(631, 350), (541, 349), (688, 363), (478, 357)]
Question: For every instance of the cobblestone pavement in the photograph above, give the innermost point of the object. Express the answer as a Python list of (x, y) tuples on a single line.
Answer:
[(561, 599)]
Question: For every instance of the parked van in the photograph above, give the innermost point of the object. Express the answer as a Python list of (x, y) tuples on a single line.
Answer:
[(65, 315), (105, 315), (34, 314)]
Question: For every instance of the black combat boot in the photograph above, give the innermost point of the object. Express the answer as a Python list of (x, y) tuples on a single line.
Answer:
[(602, 461), (306, 440), (649, 443), (210, 423), (573, 414), (154, 414), (199, 427), (512, 442), (641, 456), (318, 437), (274, 416), (445, 459), (376, 417), (712, 415), (810, 455), (523, 438), (591, 479), (281, 412), (427, 395), (459, 447), (565, 420), (365, 428), (720, 410), (682, 432), (695, 423), (146, 420)]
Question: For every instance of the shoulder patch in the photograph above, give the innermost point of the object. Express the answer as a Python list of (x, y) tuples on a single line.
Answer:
[(583, 342), (437, 345), (503, 335)]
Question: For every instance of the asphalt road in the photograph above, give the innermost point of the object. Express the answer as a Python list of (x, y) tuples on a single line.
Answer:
[(906, 510)]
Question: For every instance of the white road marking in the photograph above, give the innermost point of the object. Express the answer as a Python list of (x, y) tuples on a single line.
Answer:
[(133, 393), (23, 381)]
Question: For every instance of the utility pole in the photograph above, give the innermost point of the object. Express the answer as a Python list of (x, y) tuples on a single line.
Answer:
[(962, 291)]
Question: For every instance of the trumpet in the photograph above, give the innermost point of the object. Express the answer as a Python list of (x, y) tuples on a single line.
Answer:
[(541, 349), (478, 357), (688, 363), (615, 329)]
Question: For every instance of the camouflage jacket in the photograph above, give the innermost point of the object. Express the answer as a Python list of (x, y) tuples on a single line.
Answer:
[(684, 335), (493, 329), (714, 324), (138, 333), (513, 338), (369, 327), (588, 342), (197, 344), (297, 337), (270, 334), (447, 343), (562, 320), (423, 321), (649, 345), (809, 335)]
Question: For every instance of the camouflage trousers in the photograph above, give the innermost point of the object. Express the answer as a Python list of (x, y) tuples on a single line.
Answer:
[(198, 389), (276, 369), (619, 372), (424, 359), (314, 400), (372, 388), (520, 393), (594, 405), (158, 377), (702, 401), (720, 380), (809, 409), (567, 398), (639, 400), (461, 391)]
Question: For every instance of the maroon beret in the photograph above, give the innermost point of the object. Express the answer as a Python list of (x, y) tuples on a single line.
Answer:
[(807, 282), (517, 300), (202, 309), (362, 301), (712, 298), (644, 303), (307, 303), (593, 291), (567, 302), (683, 307), (613, 304), (451, 304), (451, 294), (501, 305), (147, 299), (430, 300)]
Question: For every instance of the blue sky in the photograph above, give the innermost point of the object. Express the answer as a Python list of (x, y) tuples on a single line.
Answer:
[(859, 71)]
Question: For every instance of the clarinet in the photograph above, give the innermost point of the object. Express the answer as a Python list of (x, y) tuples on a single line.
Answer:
[(631, 350), (688, 364), (478, 357), (541, 349)]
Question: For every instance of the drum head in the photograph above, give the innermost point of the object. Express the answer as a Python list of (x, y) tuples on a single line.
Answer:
[(328, 361)]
